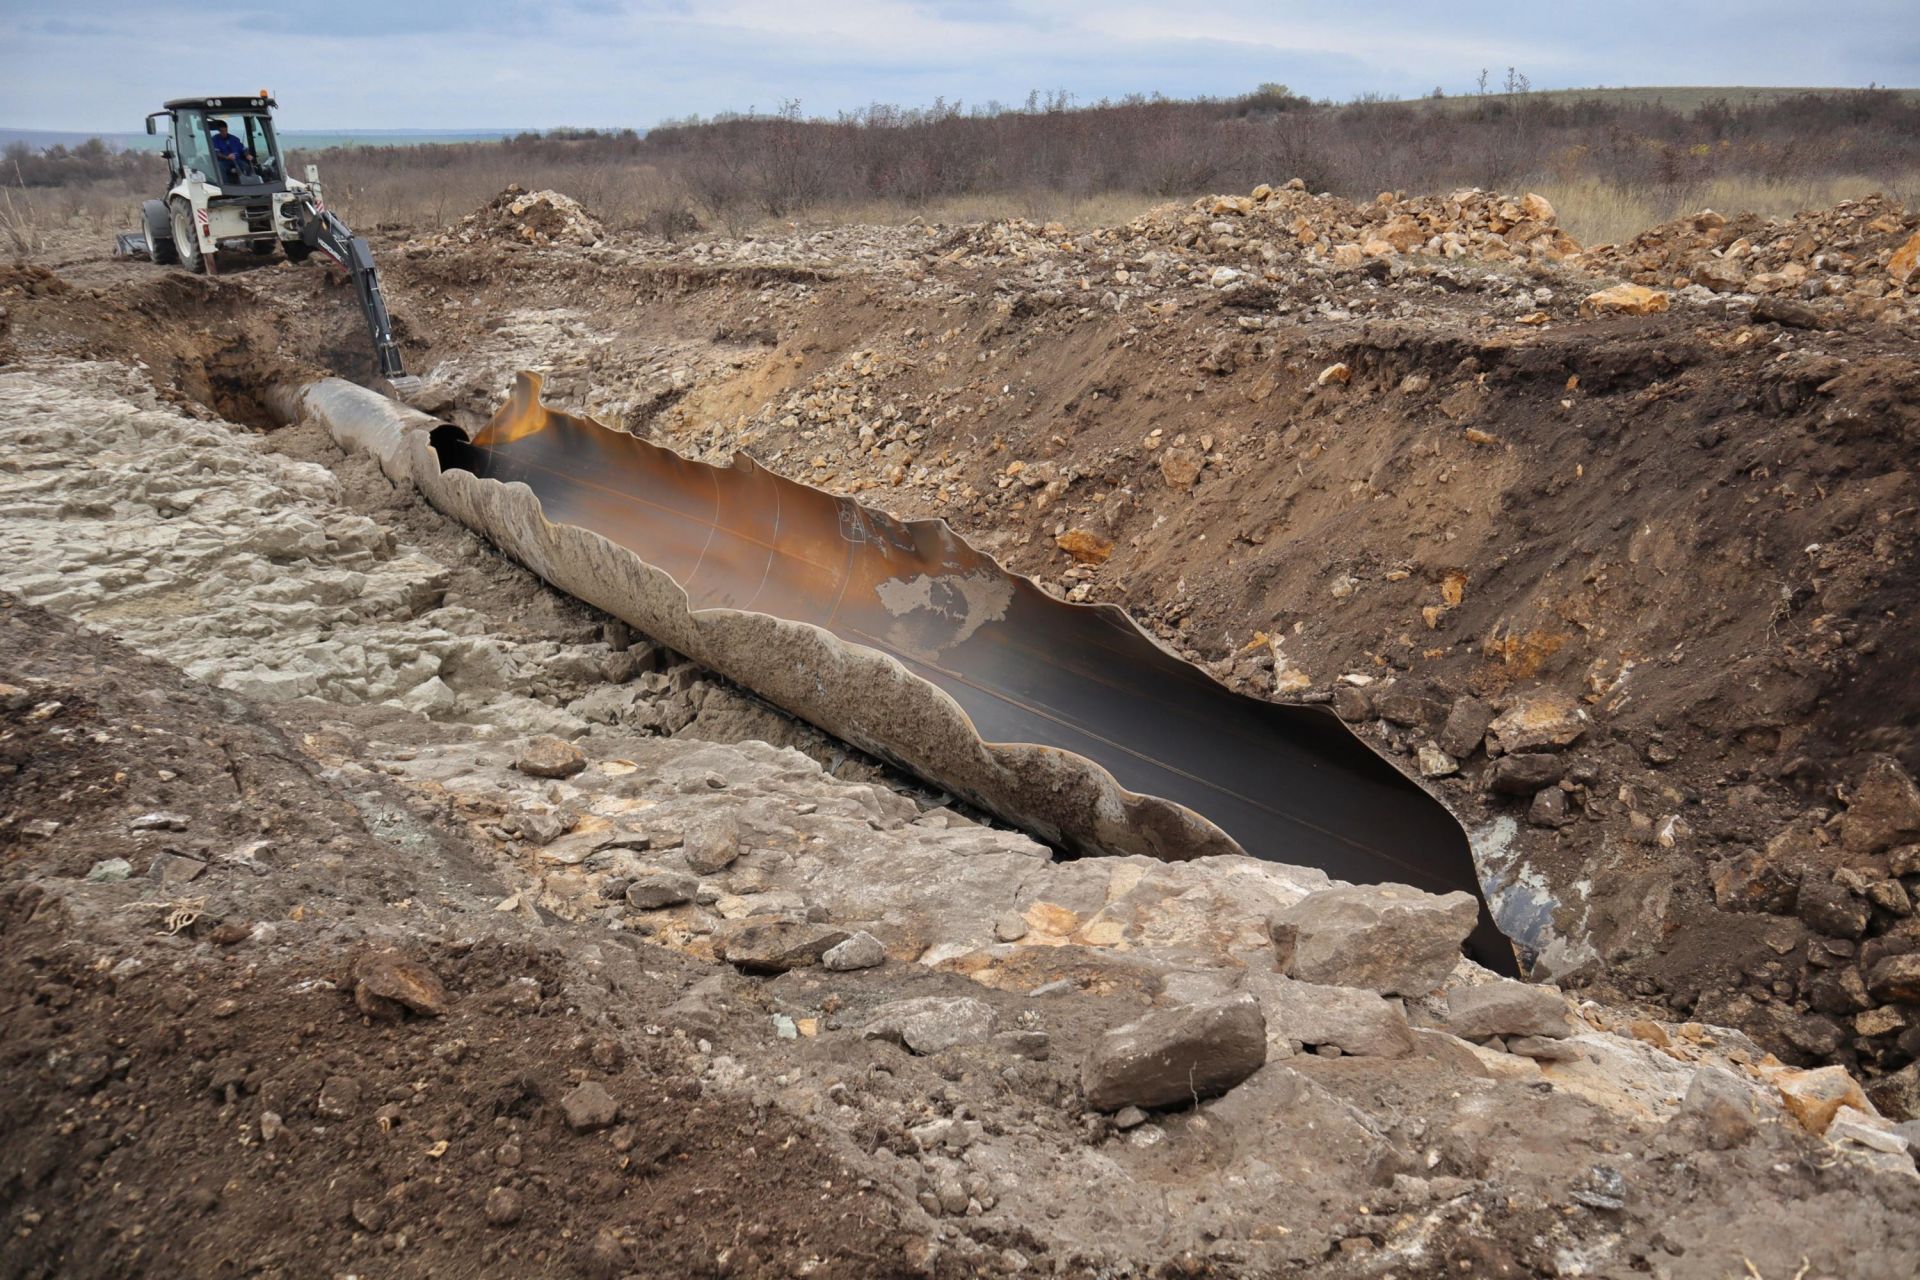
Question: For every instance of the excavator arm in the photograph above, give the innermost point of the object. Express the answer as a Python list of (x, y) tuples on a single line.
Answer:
[(320, 229)]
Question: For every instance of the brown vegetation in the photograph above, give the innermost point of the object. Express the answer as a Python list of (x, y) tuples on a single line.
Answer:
[(1612, 165)]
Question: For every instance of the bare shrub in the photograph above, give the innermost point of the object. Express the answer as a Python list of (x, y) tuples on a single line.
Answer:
[(1621, 158)]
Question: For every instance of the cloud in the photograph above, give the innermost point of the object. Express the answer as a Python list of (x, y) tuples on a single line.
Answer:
[(364, 64)]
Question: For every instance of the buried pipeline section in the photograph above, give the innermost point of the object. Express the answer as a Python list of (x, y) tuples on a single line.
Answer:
[(1066, 720)]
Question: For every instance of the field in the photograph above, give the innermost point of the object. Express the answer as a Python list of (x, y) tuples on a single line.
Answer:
[(374, 904)]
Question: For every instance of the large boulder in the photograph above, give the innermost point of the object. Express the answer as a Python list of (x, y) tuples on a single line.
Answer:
[(1385, 937), (1353, 1021), (775, 946), (1174, 1056), (1504, 1007)]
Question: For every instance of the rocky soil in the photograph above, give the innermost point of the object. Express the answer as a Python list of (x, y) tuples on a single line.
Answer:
[(370, 909)]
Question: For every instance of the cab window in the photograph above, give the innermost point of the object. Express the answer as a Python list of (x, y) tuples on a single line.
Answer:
[(257, 133), (191, 146)]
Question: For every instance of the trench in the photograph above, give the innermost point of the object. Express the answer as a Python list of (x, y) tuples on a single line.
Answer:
[(1065, 720)]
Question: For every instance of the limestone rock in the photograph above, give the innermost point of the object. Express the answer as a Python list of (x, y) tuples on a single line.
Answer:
[(1625, 300), (1549, 809), (589, 1107), (549, 757), (712, 846), (385, 982), (1180, 467), (1721, 1107), (1896, 979), (1174, 1056), (1722, 275), (1871, 1131), (1546, 721), (1504, 1007), (1352, 705), (1085, 546), (1831, 908), (1752, 882), (1883, 811), (1466, 727), (175, 868), (1904, 266), (1435, 763), (1815, 1097), (653, 890), (861, 951), (775, 946), (1353, 1021), (1898, 1093), (1526, 773), (1387, 938), (932, 1024)]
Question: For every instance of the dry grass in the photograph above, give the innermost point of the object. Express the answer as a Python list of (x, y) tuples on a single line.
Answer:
[(1076, 213), (36, 223), (1597, 212)]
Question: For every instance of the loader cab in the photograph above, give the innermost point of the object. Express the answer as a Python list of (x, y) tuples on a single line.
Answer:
[(188, 124)]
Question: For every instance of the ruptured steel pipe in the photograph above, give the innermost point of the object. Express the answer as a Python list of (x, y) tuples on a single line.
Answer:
[(1066, 720)]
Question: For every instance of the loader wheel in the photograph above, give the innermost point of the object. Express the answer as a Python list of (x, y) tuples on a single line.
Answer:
[(297, 250), (153, 218), (185, 243), (262, 248)]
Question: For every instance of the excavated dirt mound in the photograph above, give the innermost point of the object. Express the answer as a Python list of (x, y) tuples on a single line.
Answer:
[(519, 216), (1852, 260)]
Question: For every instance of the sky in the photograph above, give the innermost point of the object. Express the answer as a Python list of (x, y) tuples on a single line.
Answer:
[(101, 65)]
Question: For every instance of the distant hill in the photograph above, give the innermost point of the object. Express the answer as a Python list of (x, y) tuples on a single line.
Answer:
[(1682, 98), (297, 139)]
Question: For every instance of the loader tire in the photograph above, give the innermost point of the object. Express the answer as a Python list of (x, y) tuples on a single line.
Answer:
[(185, 244), (153, 219)]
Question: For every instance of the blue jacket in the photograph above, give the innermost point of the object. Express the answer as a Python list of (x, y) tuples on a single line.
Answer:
[(228, 147)]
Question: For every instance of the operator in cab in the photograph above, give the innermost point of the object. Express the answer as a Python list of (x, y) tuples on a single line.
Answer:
[(232, 154)]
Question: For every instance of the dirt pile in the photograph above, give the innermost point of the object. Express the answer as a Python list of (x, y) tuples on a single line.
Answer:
[(1861, 257), (1276, 227), (519, 216)]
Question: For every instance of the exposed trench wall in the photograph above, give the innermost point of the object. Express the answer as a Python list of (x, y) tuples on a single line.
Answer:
[(906, 642)]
